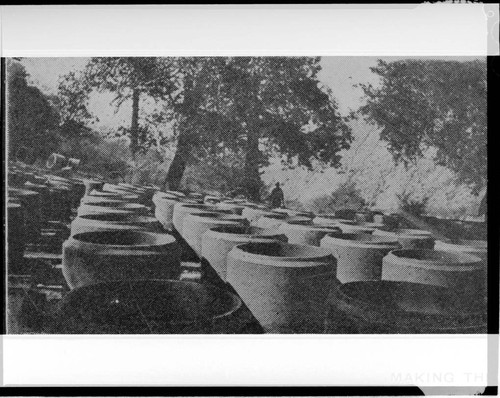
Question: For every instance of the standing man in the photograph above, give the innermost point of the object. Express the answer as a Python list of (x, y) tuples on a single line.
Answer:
[(277, 198)]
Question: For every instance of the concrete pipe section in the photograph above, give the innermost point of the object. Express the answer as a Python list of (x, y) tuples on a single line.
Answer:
[(331, 219), (75, 186), (460, 271), (293, 213), (385, 307), (305, 233), (101, 196), (363, 217), (477, 248), (145, 196), (211, 199), (235, 206), (92, 257), (252, 212), (164, 208), (359, 256), (285, 286), (115, 221), (409, 238), (56, 161), (105, 207), (182, 209), (176, 193), (217, 242), (150, 307), (195, 225), (92, 185), (73, 163), (364, 228), (270, 220)]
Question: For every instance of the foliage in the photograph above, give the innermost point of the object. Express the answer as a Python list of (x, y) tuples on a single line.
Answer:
[(424, 104), (413, 206), (255, 106), (215, 173), (32, 121), (128, 78), (346, 196), (266, 105), (108, 158)]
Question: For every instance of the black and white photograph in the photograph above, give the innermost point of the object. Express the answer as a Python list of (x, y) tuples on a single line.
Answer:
[(250, 199), (246, 195)]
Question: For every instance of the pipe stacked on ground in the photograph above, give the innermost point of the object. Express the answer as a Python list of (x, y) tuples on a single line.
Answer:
[(217, 242), (114, 221), (195, 225), (150, 307), (359, 256), (107, 255), (285, 286), (460, 271), (409, 238), (305, 233)]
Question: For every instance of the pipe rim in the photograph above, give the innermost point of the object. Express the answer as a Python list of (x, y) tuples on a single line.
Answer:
[(233, 304), (315, 256), (367, 241), (150, 239)]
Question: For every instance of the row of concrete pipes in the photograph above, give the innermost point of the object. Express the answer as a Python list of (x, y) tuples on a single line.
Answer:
[(297, 272)]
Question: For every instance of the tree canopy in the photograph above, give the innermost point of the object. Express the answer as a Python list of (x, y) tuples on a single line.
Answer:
[(254, 106), (127, 78), (424, 105), (32, 120), (263, 106)]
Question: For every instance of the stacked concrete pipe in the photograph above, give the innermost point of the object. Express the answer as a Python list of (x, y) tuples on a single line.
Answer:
[(285, 286), (477, 248), (164, 208), (100, 196), (409, 238), (195, 225), (182, 209), (387, 307), (56, 161), (107, 206), (305, 233), (107, 255), (270, 220), (460, 271), (92, 185), (359, 228), (217, 242), (252, 212), (359, 256), (150, 307), (115, 221)]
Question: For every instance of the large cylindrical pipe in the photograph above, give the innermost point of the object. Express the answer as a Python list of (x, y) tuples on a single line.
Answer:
[(359, 256), (285, 286), (92, 257)]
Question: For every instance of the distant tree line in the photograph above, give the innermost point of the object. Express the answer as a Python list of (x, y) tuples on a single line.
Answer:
[(253, 108)]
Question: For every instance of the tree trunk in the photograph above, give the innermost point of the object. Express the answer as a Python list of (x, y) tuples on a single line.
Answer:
[(134, 125), (178, 165), (252, 159)]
